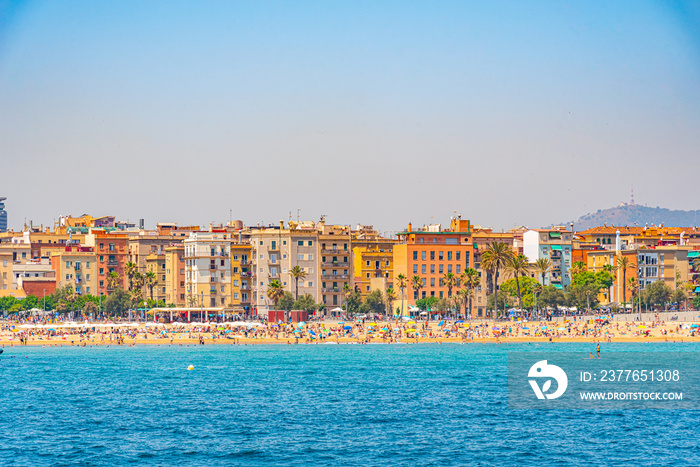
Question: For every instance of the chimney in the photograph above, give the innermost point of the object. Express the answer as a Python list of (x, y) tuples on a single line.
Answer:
[(410, 226)]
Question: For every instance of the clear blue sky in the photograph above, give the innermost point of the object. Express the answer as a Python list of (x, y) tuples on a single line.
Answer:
[(375, 112)]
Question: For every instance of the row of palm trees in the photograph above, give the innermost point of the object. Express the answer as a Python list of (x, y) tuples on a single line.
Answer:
[(137, 281)]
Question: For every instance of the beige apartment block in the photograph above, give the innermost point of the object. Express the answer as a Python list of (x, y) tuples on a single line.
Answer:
[(175, 275), (76, 267), (208, 269)]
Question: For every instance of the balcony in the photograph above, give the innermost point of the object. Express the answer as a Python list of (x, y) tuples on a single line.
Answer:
[(272, 249), (245, 288), (333, 290), (331, 277), (273, 275), (77, 267), (273, 261), (246, 274), (112, 262), (245, 262), (212, 267), (335, 264), (336, 252)]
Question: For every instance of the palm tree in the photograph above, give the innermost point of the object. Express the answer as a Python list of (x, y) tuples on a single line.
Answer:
[(113, 280), (495, 257), (401, 282), (131, 269), (449, 280), (275, 291), (518, 266), (297, 273), (416, 284), (543, 266), (346, 293), (577, 268), (633, 285), (466, 295), (623, 262), (470, 281), (150, 280), (390, 299)]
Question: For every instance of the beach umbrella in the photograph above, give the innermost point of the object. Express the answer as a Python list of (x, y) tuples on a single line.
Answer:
[(347, 328), (372, 324), (441, 322), (312, 332), (411, 322), (460, 321), (543, 328), (410, 330), (341, 322), (525, 327), (561, 329), (641, 326), (302, 324), (496, 328)]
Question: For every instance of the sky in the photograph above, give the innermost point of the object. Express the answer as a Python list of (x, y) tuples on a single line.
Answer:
[(373, 112)]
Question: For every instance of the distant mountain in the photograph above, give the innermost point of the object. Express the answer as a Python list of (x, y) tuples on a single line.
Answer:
[(634, 214)]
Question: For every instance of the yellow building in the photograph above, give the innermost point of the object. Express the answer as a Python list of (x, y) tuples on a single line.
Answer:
[(241, 278), (155, 263), (175, 275), (373, 260), (76, 267)]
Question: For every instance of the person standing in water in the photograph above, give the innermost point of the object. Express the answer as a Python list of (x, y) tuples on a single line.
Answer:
[(597, 349)]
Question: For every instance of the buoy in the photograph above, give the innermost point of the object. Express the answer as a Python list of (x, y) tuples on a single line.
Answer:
[(191, 367)]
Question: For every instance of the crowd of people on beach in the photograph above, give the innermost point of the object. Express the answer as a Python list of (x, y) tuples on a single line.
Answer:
[(49, 331)]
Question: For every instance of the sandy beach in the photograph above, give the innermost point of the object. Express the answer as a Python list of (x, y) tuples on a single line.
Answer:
[(97, 334)]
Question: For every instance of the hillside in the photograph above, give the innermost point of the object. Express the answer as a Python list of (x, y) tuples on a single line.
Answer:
[(634, 214)]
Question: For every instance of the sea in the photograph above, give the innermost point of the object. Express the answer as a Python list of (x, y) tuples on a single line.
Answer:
[(423, 404)]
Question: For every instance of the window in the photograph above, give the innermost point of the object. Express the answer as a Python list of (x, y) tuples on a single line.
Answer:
[(432, 269), (440, 269), (423, 268), (440, 257), (432, 282), (300, 243), (235, 257), (102, 271), (368, 261), (309, 284), (415, 270), (449, 268), (386, 263), (235, 270), (367, 288), (235, 295), (300, 257), (310, 243), (457, 254), (422, 255), (449, 256), (310, 270), (415, 256)]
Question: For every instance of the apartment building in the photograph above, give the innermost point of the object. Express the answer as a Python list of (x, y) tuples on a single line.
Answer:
[(76, 267), (373, 260), (553, 244), (241, 277), (432, 252), (208, 269), (175, 275), (112, 251), (335, 272)]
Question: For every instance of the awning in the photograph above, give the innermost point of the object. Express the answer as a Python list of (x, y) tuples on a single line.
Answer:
[(556, 247), (554, 235), (697, 289), (558, 286), (694, 254)]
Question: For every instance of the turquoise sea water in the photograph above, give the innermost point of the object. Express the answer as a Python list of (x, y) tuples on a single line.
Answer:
[(313, 404)]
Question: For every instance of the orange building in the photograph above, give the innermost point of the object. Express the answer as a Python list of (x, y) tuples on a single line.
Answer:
[(430, 253), (112, 250)]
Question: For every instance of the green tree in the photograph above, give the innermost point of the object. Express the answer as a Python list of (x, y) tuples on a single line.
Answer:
[(656, 293), (353, 302), (89, 308), (275, 291), (118, 302), (130, 270), (374, 302), (416, 285), (623, 263), (679, 296), (522, 290), (150, 281), (286, 303), (495, 258), (428, 303), (551, 297), (390, 297), (518, 266), (306, 303), (297, 274), (449, 280), (113, 281), (465, 295), (402, 283), (543, 266), (470, 281)]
